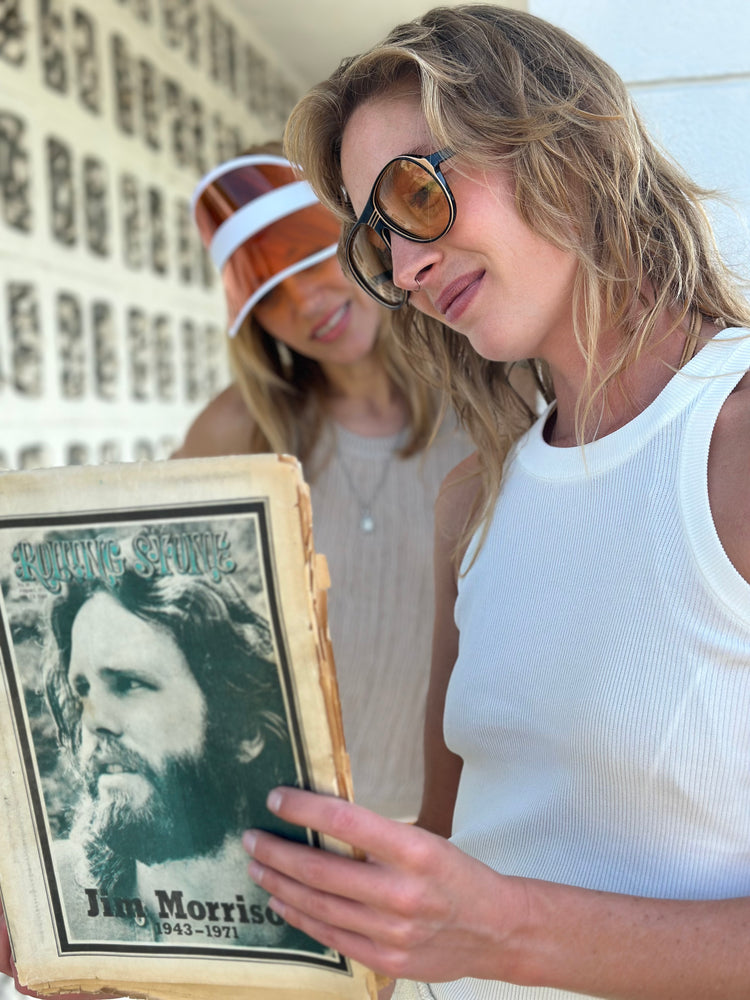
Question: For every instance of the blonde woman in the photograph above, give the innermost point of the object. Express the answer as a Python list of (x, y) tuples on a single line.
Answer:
[(318, 374), (589, 714)]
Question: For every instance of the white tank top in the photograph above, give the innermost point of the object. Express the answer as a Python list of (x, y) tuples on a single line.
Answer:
[(601, 696)]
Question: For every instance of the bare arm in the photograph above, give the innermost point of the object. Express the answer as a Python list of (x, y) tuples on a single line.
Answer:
[(443, 768), (222, 428)]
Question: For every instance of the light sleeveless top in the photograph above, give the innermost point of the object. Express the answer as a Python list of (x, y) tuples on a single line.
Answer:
[(601, 696), (381, 603)]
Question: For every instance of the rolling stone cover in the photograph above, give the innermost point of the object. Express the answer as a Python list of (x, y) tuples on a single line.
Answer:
[(165, 663)]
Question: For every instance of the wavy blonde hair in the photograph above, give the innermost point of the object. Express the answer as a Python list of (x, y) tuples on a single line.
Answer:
[(285, 391), (505, 88)]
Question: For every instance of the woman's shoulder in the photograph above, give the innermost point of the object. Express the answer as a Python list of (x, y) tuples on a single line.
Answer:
[(459, 493), (223, 427)]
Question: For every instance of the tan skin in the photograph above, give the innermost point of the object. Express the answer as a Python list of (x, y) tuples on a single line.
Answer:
[(443, 768), (417, 907)]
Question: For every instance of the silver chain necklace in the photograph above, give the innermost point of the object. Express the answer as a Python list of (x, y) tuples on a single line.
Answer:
[(366, 519)]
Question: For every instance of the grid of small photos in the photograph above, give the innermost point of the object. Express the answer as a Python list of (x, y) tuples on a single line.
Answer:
[(111, 316)]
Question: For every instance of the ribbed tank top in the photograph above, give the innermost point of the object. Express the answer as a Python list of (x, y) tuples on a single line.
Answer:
[(601, 696), (381, 602)]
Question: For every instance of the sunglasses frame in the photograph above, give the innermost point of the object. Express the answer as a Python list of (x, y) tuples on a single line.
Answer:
[(382, 225)]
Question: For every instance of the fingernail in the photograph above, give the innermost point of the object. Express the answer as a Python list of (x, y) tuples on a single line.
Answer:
[(256, 872), (248, 841), (274, 800)]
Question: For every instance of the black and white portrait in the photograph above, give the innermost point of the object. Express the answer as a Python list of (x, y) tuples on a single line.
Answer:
[(160, 719)]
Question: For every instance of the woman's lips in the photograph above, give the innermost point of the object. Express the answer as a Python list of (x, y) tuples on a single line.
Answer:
[(332, 326), (456, 298)]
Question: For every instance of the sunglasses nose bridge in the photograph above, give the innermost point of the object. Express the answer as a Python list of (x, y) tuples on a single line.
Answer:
[(378, 224), (385, 234)]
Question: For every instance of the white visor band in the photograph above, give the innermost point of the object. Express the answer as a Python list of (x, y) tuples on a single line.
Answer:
[(265, 288)]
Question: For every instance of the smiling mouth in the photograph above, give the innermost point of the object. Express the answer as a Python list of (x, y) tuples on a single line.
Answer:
[(456, 289), (331, 322)]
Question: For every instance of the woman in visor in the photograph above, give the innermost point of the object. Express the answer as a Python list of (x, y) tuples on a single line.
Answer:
[(318, 374)]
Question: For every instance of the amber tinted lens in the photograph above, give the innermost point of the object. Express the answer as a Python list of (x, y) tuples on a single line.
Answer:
[(274, 249), (370, 259), (412, 198), (233, 189)]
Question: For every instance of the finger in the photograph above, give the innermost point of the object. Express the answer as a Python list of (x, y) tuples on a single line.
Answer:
[(385, 961), (350, 878), (380, 838), (342, 911)]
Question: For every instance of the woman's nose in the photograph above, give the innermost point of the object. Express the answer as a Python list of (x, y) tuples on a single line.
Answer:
[(299, 289), (411, 261)]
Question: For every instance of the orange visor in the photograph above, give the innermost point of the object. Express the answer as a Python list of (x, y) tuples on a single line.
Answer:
[(261, 225)]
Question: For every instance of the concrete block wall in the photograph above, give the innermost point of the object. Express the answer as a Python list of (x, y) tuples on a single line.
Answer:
[(111, 318)]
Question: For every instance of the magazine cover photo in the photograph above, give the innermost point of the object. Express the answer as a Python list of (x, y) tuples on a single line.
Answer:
[(145, 661)]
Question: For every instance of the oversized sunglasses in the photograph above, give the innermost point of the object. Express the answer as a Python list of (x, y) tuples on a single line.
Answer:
[(410, 197)]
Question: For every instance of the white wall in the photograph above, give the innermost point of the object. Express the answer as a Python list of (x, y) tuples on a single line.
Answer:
[(687, 63), (111, 318)]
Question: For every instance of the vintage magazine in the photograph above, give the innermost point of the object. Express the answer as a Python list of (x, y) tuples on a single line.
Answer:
[(165, 662)]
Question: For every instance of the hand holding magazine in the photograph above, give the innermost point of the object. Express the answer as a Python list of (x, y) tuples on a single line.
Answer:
[(165, 663)]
